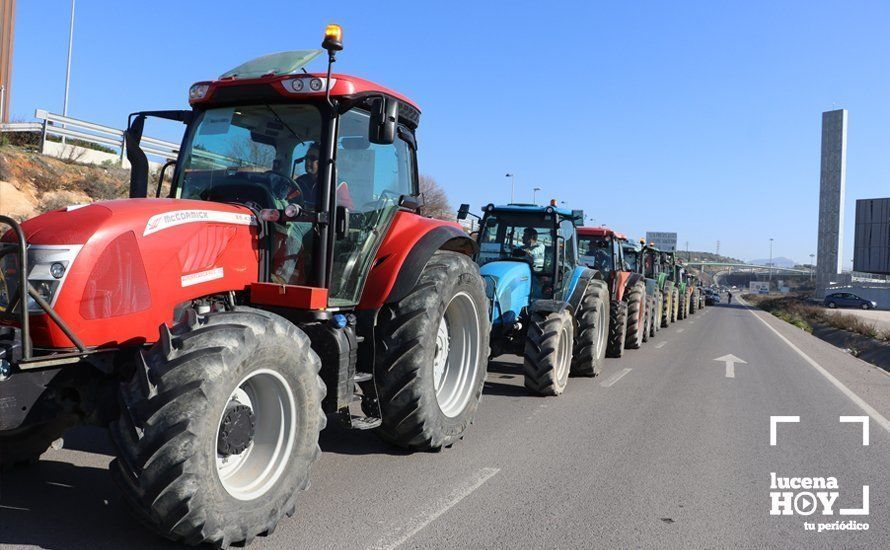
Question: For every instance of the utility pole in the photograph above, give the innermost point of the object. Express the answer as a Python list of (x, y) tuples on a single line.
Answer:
[(812, 266), (688, 256), (512, 186), (771, 261), (68, 69), (717, 252)]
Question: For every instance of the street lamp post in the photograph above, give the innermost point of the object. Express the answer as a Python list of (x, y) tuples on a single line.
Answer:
[(512, 185), (68, 69), (812, 266), (535, 195)]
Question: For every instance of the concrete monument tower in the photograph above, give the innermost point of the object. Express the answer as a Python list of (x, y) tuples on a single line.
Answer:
[(832, 181)]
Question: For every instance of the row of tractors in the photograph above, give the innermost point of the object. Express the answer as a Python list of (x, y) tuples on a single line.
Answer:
[(565, 297), (285, 277)]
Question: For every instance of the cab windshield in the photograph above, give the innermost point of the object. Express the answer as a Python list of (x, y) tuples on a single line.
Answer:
[(264, 156), (631, 255), (508, 236), (596, 252)]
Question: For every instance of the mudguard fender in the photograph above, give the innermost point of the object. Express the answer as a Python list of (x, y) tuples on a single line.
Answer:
[(410, 243)]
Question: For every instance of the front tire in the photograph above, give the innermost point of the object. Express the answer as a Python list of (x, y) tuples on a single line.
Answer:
[(636, 311), (219, 426), (592, 331), (617, 328), (432, 353), (548, 352)]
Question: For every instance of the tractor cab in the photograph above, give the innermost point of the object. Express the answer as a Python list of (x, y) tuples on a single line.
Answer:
[(541, 238), (602, 249), (326, 160)]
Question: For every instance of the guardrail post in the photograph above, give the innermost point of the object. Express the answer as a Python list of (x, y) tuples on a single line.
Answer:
[(43, 138)]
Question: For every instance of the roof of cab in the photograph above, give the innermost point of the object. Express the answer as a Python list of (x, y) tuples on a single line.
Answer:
[(528, 208), (601, 231), (343, 86)]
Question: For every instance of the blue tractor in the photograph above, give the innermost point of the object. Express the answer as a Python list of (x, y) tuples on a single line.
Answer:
[(545, 305)]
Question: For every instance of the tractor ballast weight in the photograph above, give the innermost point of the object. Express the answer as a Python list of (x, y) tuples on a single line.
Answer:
[(544, 305), (281, 278)]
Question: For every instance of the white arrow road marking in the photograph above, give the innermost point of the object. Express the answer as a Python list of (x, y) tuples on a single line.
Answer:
[(864, 421), (615, 378), (410, 528), (773, 420), (660, 345), (730, 361)]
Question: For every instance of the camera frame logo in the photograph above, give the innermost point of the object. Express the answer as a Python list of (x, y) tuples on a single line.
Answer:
[(805, 496)]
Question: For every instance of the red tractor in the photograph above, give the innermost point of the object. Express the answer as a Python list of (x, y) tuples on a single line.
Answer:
[(629, 317), (287, 275)]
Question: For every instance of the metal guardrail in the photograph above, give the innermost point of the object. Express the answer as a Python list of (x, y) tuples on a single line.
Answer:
[(72, 128)]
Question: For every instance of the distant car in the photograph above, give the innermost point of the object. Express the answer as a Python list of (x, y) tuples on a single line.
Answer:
[(712, 298), (846, 299)]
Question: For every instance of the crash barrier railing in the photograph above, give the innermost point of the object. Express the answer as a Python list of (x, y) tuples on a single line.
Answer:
[(67, 127), (71, 128)]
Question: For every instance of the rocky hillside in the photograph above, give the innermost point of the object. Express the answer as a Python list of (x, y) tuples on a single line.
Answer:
[(31, 183)]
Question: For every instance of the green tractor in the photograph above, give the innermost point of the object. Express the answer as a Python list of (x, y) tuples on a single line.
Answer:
[(684, 286), (669, 288), (643, 259)]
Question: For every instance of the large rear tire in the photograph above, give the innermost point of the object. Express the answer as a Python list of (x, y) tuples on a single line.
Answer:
[(636, 311), (675, 305), (592, 329), (548, 352), (431, 355), (693, 303), (219, 426), (617, 328), (658, 300), (666, 309), (647, 318)]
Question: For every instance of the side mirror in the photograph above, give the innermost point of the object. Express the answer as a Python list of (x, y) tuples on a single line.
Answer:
[(463, 211), (384, 117)]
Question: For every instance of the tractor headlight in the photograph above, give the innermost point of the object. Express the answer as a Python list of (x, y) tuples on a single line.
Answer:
[(49, 266)]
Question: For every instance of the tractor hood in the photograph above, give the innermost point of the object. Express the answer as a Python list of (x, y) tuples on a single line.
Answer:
[(508, 285), (116, 270)]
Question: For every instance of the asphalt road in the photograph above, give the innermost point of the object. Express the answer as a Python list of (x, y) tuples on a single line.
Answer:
[(663, 450)]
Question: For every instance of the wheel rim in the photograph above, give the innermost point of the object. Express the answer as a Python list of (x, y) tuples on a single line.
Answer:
[(251, 473), (456, 361), (563, 356)]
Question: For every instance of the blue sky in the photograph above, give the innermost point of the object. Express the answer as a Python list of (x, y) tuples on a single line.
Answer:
[(696, 117)]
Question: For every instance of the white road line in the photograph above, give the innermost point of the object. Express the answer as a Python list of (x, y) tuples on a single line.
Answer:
[(878, 417), (421, 520), (615, 378), (660, 345), (679, 330)]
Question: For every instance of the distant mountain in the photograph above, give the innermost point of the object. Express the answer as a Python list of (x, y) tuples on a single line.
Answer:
[(778, 261)]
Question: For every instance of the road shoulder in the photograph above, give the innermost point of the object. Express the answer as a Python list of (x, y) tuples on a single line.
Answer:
[(867, 381)]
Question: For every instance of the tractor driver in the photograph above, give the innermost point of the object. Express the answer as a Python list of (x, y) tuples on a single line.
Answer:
[(533, 248), (306, 190)]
